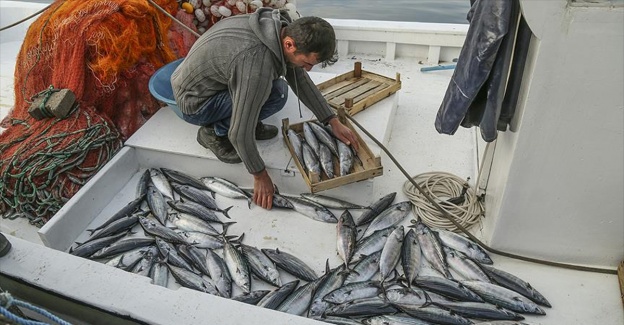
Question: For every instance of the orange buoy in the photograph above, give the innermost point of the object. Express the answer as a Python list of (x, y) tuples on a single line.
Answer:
[(188, 7)]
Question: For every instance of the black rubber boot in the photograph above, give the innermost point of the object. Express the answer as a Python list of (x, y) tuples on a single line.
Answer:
[(5, 245), (220, 146), (265, 131)]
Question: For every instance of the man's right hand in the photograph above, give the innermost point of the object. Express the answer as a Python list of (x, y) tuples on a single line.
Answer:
[(263, 190)]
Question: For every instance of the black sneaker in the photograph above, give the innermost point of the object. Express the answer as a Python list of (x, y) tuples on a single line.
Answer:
[(220, 146), (5, 245), (265, 131)]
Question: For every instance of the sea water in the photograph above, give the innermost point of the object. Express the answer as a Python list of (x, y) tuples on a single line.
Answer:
[(425, 11)]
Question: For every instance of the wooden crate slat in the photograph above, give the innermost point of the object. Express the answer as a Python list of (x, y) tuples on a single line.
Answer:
[(368, 93), (372, 99), (353, 85), (336, 89), (362, 88)]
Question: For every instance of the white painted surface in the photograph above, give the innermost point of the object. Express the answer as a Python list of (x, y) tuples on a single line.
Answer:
[(577, 297), (556, 186)]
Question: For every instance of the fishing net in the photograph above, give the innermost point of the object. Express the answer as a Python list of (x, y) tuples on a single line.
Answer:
[(50, 162), (103, 51)]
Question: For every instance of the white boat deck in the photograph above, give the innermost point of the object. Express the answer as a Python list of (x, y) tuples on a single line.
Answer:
[(577, 297)]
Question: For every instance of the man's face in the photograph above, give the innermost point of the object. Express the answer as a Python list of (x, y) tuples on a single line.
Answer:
[(303, 61), (294, 58)]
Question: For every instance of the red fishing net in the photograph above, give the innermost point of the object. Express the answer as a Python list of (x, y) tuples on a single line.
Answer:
[(105, 52)]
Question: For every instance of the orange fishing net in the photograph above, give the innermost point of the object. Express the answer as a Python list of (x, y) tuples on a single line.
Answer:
[(105, 52)]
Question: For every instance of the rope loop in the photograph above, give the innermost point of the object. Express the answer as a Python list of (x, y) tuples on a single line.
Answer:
[(7, 301), (451, 193)]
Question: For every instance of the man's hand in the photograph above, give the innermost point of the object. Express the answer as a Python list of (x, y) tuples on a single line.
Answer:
[(343, 133), (263, 190)]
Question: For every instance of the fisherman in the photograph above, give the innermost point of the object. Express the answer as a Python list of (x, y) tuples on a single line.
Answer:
[(231, 80)]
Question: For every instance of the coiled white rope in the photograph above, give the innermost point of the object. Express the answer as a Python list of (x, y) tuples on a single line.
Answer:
[(442, 186)]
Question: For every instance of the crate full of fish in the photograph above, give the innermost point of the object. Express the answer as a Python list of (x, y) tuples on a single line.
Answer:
[(326, 162)]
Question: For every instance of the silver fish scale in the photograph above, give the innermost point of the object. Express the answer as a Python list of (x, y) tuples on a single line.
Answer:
[(325, 138), (115, 227), (389, 217), (141, 188), (310, 140), (291, 264), (123, 245), (481, 310), (326, 160), (251, 298), (365, 268), (160, 274), (345, 156), (261, 265), (195, 256), (464, 245), (332, 281), (331, 202), (410, 256), (362, 307), (375, 209), (171, 255), (346, 235), (182, 178), (238, 267), (448, 288), (191, 280), (432, 249), (274, 298), (310, 159), (312, 210), (354, 291), (224, 187), (158, 230), (196, 210), (391, 253), (373, 243), (91, 248), (503, 297), (516, 284), (299, 301), (296, 142), (157, 204), (196, 195), (468, 269), (394, 320), (161, 182), (191, 223), (201, 240), (408, 296), (434, 314), (219, 273)]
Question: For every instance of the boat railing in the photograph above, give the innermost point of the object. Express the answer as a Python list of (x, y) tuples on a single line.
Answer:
[(432, 42)]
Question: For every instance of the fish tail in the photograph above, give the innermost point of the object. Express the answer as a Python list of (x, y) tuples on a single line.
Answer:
[(225, 212)]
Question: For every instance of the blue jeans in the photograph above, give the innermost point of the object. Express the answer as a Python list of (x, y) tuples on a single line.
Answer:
[(217, 110)]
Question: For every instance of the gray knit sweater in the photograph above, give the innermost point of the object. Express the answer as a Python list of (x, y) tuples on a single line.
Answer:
[(243, 54)]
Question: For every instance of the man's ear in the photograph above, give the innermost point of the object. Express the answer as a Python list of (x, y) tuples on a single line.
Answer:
[(289, 44)]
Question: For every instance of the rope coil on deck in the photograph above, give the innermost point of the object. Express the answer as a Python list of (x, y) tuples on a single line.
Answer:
[(452, 193)]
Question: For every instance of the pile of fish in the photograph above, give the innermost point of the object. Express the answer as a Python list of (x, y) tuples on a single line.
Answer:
[(394, 270), (319, 149)]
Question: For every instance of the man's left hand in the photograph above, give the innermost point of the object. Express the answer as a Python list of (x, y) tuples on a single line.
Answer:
[(343, 133)]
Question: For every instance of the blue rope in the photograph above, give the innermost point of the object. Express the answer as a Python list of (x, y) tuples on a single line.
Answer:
[(6, 300)]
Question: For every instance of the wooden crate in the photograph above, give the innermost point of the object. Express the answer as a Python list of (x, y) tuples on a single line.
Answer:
[(358, 89), (366, 166)]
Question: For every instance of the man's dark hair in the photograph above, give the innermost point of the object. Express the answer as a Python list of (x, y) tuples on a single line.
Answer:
[(314, 35)]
